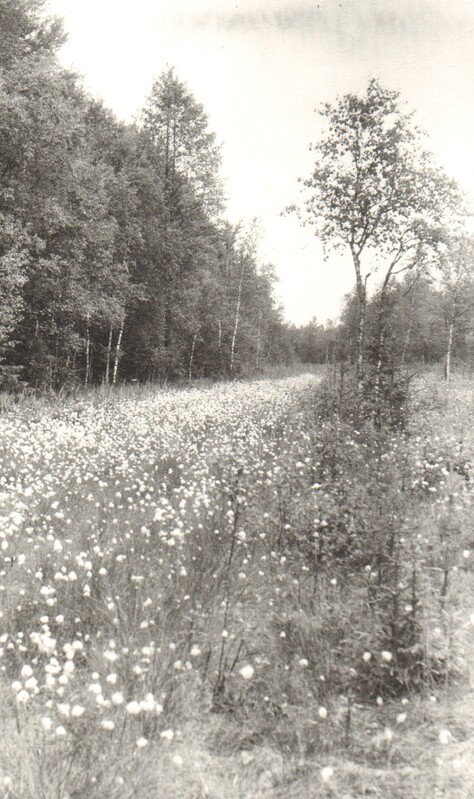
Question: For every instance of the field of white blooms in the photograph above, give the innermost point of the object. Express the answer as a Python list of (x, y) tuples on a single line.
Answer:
[(188, 585), (122, 521)]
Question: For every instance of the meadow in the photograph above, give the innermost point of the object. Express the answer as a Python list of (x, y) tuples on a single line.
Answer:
[(238, 591)]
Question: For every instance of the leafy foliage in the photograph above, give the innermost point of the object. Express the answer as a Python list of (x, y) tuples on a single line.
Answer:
[(116, 268)]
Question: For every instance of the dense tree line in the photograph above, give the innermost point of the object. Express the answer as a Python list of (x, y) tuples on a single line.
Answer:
[(116, 261), (429, 320)]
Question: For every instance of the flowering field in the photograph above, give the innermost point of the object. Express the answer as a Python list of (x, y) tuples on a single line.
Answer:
[(227, 592)]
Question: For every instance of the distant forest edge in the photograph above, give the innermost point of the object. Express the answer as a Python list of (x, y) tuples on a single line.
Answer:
[(117, 262)]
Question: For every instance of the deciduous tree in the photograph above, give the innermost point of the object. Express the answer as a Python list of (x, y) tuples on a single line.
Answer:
[(376, 192)]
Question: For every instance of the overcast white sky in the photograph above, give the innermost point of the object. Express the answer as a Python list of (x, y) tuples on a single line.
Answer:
[(260, 68)]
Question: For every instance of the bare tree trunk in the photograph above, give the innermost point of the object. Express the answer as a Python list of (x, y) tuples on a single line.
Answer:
[(88, 357), (109, 353), (190, 370), (381, 329), (237, 318), (117, 355), (219, 344), (382, 324), (360, 339)]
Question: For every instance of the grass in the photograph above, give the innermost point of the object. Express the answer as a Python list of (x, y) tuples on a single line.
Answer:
[(234, 591)]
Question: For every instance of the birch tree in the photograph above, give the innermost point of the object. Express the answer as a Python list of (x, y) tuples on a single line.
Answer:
[(376, 193)]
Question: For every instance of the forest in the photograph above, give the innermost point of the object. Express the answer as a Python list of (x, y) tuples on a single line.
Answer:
[(117, 263), (237, 553)]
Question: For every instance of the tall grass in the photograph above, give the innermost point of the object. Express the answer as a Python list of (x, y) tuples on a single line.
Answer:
[(232, 591)]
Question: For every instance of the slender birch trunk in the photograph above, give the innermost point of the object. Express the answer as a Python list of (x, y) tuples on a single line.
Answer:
[(360, 338), (117, 355), (219, 345), (191, 359), (382, 324), (88, 357), (109, 353), (237, 319)]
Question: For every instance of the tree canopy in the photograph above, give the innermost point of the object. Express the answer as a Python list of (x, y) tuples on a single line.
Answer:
[(116, 261), (377, 192)]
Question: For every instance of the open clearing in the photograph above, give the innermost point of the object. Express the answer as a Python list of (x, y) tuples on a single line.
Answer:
[(188, 592)]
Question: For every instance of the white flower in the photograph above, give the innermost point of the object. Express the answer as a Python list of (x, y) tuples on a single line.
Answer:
[(107, 725), (326, 773), (26, 671), (387, 656), (46, 644), (401, 718), (303, 663), (141, 742), (445, 737), (64, 709), (322, 712), (111, 656), (247, 672), (22, 697), (46, 723), (366, 656), (77, 711), (117, 698), (177, 760), (60, 731), (148, 704), (195, 651), (133, 708), (167, 735)]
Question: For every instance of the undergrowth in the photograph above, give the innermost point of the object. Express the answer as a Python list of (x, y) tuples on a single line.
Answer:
[(234, 591)]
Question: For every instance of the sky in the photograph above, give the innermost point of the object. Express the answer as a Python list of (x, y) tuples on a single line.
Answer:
[(261, 69)]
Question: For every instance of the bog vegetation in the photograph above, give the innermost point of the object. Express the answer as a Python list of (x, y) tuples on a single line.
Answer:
[(234, 591), (238, 588)]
